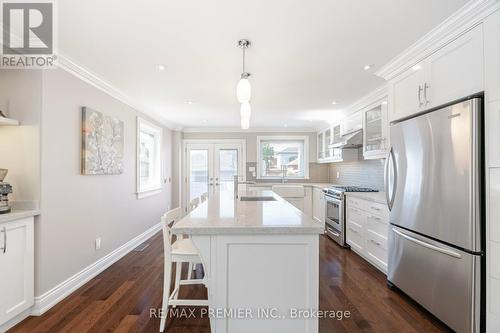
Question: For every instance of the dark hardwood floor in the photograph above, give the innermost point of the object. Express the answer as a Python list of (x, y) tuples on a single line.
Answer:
[(120, 298)]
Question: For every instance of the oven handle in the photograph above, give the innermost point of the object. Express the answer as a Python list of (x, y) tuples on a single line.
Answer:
[(330, 230)]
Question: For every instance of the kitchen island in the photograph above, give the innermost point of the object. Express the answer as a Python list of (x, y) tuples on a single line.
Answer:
[(260, 259)]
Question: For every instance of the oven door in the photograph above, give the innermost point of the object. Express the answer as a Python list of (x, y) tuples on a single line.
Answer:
[(334, 219)]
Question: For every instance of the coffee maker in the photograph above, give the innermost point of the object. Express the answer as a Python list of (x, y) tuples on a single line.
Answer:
[(5, 190)]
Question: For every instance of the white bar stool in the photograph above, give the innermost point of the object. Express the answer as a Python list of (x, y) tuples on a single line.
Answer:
[(182, 250)]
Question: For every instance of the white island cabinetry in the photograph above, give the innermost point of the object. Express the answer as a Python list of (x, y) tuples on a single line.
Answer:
[(257, 255)]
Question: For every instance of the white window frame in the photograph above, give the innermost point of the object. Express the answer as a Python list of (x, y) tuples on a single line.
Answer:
[(304, 138), (148, 127)]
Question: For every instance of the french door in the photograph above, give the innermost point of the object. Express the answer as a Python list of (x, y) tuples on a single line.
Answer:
[(211, 167)]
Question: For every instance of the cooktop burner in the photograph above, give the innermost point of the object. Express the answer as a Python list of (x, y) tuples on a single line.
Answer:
[(341, 188)]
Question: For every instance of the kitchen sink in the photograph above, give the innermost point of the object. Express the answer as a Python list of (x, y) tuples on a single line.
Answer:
[(267, 198)]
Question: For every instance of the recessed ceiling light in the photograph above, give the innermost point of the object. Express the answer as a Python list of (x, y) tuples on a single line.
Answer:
[(367, 67), (285, 125), (160, 67), (384, 103), (334, 102), (416, 67), (189, 102)]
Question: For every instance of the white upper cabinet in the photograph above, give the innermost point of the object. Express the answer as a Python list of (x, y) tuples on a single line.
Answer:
[(492, 56), (406, 92), (453, 72), (456, 70), (351, 124), (375, 130)]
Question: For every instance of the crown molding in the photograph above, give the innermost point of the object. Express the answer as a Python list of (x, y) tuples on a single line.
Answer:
[(467, 17), (368, 99), (84, 74), (251, 130)]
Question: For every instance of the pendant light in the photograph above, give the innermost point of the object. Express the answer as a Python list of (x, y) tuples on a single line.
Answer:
[(245, 110), (244, 89)]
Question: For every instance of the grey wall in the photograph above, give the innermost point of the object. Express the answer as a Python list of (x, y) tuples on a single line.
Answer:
[(77, 209), (368, 173)]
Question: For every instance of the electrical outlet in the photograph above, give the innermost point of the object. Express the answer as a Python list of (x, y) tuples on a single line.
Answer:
[(338, 174), (97, 243)]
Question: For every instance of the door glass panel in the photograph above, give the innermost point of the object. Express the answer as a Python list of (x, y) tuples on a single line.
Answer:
[(228, 168), (333, 212), (198, 173)]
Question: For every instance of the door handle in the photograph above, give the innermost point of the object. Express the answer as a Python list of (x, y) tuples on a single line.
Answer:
[(4, 248), (420, 89), (390, 200), (427, 245), (426, 86)]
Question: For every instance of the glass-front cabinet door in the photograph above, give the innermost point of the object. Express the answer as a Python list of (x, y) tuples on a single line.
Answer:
[(328, 142), (375, 129), (321, 145)]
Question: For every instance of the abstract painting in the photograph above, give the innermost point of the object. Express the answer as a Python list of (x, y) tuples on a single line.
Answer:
[(102, 143)]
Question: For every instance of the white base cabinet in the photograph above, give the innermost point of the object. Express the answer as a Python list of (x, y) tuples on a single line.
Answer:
[(367, 230), (16, 268), (318, 204)]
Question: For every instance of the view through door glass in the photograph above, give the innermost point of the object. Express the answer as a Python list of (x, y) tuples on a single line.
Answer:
[(198, 173), (228, 168)]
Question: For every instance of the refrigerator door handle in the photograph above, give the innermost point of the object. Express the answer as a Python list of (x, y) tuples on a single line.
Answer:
[(427, 245), (386, 177), (390, 199)]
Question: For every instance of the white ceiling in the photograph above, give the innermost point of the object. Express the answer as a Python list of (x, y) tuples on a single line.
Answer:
[(305, 53)]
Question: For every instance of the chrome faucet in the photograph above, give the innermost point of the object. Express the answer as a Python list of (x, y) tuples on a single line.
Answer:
[(237, 183), (283, 174)]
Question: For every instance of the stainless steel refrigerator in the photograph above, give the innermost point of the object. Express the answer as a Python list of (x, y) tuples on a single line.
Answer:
[(434, 192)]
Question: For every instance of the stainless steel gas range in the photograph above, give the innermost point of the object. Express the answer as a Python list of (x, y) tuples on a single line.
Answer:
[(335, 211)]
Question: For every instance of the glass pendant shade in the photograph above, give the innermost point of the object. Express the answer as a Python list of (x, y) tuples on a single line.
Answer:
[(245, 123), (245, 111), (243, 90)]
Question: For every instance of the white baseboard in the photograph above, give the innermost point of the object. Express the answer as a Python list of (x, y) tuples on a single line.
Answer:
[(47, 300)]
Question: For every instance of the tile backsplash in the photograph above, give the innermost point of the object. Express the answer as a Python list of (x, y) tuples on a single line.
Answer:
[(367, 173)]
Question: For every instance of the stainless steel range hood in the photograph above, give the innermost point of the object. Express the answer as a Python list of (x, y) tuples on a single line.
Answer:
[(349, 141)]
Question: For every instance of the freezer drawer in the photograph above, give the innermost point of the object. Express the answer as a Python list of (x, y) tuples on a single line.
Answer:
[(442, 279)]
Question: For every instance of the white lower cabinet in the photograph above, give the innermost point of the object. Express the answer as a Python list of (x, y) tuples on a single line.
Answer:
[(16, 268), (367, 230), (318, 204)]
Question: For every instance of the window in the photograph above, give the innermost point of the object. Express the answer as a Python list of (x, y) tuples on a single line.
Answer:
[(149, 172), (283, 156)]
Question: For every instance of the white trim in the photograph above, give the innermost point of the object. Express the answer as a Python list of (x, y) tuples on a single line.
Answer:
[(148, 193), (72, 67), (307, 158), (50, 298), (158, 133), (252, 130), (470, 15)]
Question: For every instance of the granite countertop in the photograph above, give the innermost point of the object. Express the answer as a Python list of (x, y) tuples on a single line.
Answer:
[(222, 214), (17, 214), (378, 197)]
